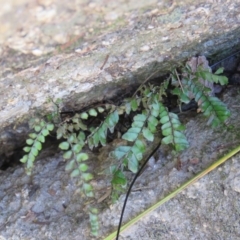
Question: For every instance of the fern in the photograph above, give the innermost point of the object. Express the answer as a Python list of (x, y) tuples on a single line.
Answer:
[(143, 129), (99, 135), (212, 77), (148, 118), (93, 216), (131, 155), (34, 142), (78, 168), (172, 129), (193, 87)]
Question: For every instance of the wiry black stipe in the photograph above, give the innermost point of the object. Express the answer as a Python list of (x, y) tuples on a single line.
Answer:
[(215, 64)]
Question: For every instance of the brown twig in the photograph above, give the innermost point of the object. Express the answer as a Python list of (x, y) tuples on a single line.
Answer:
[(179, 80), (105, 61)]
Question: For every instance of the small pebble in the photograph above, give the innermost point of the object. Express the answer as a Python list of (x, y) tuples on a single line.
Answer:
[(37, 52), (145, 48), (150, 26), (235, 184), (164, 39)]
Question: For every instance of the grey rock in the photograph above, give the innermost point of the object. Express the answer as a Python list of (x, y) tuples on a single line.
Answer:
[(235, 79), (84, 59), (230, 64)]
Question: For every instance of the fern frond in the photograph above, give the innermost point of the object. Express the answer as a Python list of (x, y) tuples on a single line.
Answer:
[(42, 129), (129, 105), (212, 77), (99, 135), (93, 216), (211, 107), (215, 110), (194, 87), (77, 166), (131, 155), (143, 125), (172, 129)]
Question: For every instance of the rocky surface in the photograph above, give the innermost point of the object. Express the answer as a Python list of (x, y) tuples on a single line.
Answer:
[(48, 206), (85, 51), (207, 210), (81, 51)]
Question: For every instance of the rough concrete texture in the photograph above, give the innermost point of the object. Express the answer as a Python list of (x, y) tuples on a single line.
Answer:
[(83, 52), (48, 206)]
